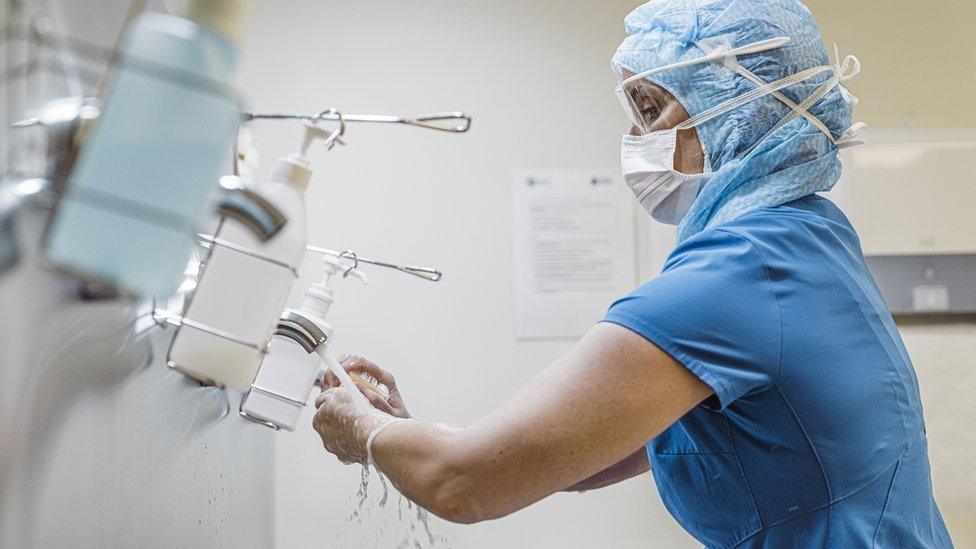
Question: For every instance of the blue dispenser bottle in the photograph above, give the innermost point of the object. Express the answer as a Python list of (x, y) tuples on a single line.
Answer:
[(143, 181)]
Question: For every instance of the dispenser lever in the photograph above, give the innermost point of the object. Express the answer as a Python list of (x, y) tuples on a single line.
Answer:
[(426, 273), (451, 121)]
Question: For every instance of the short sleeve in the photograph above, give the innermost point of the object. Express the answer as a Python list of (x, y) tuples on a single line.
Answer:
[(713, 309)]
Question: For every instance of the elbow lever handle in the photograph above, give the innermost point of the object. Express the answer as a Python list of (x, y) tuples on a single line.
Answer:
[(450, 121), (426, 273), (423, 272), (455, 122)]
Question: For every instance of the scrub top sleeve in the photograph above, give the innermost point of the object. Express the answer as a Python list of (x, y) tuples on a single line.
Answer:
[(713, 309)]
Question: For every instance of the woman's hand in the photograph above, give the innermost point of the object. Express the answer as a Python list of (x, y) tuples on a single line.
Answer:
[(357, 365), (343, 423)]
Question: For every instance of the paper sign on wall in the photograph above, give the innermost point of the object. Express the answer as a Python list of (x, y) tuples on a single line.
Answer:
[(573, 238)]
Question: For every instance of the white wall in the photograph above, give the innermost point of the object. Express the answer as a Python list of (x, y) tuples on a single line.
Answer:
[(904, 82), (536, 77)]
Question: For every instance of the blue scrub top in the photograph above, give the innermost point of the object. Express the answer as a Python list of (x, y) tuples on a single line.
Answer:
[(814, 437)]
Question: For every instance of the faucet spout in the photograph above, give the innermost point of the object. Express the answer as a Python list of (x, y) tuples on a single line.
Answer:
[(249, 208)]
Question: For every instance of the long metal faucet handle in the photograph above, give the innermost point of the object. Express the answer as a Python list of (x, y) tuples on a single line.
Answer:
[(426, 273)]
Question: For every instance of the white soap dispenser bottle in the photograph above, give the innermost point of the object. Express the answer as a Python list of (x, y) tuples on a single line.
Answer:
[(244, 284), (286, 378)]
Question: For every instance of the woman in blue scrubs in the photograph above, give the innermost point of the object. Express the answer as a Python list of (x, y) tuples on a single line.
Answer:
[(767, 387)]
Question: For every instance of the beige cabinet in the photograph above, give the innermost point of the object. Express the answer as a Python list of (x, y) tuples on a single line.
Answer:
[(912, 192)]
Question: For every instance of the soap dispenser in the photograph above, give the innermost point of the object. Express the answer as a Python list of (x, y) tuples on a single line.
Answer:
[(245, 282), (144, 178), (301, 343)]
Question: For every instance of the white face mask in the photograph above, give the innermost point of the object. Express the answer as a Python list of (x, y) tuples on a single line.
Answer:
[(648, 167)]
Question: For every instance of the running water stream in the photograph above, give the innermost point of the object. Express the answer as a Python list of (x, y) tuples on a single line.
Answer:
[(375, 525)]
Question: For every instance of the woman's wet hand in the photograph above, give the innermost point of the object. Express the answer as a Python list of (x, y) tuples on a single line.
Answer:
[(356, 365), (344, 424)]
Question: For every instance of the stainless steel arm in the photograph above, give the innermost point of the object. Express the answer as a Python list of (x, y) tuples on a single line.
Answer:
[(426, 273), (453, 121)]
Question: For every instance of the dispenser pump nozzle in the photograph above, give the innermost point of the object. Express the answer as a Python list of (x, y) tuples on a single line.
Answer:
[(294, 168), (334, 266), (312, 132), (319, 296)]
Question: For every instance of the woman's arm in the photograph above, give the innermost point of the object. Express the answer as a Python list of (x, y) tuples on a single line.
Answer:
[(631, 466), (586, 412)]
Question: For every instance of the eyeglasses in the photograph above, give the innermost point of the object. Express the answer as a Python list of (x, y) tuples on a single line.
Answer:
[(630, 96)]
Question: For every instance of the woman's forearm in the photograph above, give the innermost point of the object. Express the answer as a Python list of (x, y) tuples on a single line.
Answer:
[(447, 470), (467, 474), (556, 431), (429, 465)]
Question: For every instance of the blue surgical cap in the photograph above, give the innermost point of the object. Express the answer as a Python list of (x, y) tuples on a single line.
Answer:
[(749, 172)]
